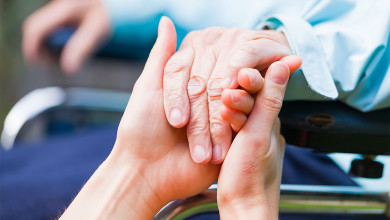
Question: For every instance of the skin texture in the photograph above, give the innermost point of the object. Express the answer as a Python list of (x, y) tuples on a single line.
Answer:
[(238, 103), (206, 63), (149, 150), (88, 15), (256, 155), (150, 164)]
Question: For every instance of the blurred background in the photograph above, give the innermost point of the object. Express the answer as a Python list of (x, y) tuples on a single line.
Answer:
[(120, 73), (18, 78)]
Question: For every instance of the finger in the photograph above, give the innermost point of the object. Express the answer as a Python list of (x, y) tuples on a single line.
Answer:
[(255, 53), (221, 134), (234, 118), (268, 101), (152, 76), (250, 79), (220, 130), (40, 24), (90, 33), (252, 54), (238, 100), (176, 75), (293, 62), (198, 129)]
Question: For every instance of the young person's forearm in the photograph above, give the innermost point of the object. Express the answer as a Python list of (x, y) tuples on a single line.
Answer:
[(247, 210), (117, 190), (262, 204)]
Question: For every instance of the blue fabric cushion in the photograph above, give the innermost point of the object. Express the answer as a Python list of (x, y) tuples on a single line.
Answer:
[(39, 180)]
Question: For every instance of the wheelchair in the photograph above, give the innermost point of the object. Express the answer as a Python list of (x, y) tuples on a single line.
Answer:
[(325, 127)]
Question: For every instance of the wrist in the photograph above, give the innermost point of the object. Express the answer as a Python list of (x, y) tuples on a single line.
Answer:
[(117, 190), (246, 209), (257, 203), (136, 191)]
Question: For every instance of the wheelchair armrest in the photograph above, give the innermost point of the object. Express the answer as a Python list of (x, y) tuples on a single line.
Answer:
[(311, 201), (335, 127), (324, 126), (55, 110), (111, 49)]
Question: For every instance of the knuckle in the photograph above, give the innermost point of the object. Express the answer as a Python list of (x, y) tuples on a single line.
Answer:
[(192, 35), (234, 34), (214, 88), (196, 87), (217, 126), (173, 67), (249, 48), (211, 35), (196, 127), (245, 50), (236, 61), (272, 103), (235, 31), (188, 39)]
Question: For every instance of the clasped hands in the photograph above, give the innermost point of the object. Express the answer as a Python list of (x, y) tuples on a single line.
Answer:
[(151, 164)]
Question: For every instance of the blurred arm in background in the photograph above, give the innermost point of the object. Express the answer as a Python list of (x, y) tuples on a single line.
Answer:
[(344, 56), (343, 44), (89, 16)]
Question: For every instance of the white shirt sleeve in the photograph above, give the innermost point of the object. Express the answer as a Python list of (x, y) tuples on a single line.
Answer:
[(344, 48)]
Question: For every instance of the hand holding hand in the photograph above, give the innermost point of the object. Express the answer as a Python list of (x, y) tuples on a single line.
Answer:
[(208, 62), (150, 164), (249, 180)]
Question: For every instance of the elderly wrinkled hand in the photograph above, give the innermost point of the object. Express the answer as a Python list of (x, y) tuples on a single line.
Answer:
[(206, 63)]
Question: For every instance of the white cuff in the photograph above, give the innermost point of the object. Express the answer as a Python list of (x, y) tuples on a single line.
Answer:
[(314, 69)]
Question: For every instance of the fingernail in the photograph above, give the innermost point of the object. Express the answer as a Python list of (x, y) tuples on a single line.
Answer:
[(279, 74), (252, 77), (217, 153), (235, 98), (175, 117), (199, 154)]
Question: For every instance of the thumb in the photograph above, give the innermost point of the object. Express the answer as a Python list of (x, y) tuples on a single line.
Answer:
[(163, 49), (269, 100)]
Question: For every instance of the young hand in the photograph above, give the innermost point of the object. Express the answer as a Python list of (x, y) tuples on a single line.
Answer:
[(249, 180), (150, 164), (238, 103)]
